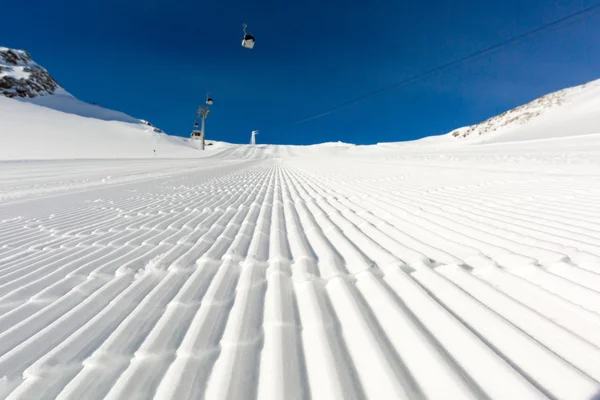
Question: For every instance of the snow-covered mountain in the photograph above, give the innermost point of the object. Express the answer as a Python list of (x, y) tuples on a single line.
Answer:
[(568, 112), (41, 120), (36, 109)]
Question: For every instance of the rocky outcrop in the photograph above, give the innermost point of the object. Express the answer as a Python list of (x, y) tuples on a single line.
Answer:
[(20, 76), (155, 129)]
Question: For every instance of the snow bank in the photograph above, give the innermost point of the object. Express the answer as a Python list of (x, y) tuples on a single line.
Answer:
[(36, 129)]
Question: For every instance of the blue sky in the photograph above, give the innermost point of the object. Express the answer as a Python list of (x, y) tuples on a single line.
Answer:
[(155, 59)]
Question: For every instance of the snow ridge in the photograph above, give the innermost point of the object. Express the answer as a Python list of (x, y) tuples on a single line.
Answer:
[(533, 111)]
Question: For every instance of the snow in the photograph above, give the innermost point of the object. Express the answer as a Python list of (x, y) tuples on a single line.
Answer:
[(70, 105), (280, 272), (15, 71), (62, 127)]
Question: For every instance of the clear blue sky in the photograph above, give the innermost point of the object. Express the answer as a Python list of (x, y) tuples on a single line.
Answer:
[(155, 59)]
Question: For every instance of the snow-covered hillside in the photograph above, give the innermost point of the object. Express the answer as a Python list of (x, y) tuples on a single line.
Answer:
[(37, 110), (36, 131), (568, 112), (40, 120)]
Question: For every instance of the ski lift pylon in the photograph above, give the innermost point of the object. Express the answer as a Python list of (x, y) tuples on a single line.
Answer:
[(248, 41)]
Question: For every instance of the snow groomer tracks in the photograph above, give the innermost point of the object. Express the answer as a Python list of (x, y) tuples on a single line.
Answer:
[(299, 278)]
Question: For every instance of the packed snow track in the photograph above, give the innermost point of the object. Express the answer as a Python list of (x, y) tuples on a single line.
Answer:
[(302, 273)]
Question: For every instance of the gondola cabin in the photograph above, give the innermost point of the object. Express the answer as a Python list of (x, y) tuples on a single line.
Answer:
[(196, 134), (209, 101), (248, 41)]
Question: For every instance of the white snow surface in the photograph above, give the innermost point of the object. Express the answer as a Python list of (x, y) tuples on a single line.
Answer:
[(288, 272), (60, 126)]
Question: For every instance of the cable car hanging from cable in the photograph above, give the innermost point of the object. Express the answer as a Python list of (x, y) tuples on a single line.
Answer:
[(209, 99), (248, 41)]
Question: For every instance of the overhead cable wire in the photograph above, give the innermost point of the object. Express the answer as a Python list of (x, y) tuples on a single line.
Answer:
[(493, 49)]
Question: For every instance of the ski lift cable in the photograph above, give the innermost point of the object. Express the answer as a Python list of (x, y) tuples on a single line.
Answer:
[(556, 24)]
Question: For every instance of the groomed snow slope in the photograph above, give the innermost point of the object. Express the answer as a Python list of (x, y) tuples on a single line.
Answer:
[(286, 273), (60, 126)]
